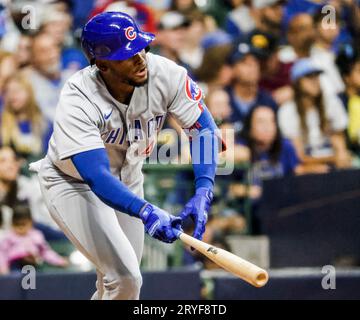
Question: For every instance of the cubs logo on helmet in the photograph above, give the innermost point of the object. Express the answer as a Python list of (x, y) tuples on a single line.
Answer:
[(130, 33), (193, 92)]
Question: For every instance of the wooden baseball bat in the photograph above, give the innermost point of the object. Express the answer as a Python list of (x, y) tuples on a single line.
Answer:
[(230, 262)]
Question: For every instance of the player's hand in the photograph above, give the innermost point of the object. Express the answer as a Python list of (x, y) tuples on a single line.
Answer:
[(197, 208), (159, 224)]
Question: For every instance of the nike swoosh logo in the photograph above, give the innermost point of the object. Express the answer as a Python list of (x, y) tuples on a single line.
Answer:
[(107, 116)]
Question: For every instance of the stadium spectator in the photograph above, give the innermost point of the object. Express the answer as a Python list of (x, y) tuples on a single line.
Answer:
[(7, 67), (323, 55), (345, 12), (269, 16), (9, 170), (354, 13), (23, 51), (215, 69), (300, 36), (270, 155), (171, 36), (295, 7), (22, 126), (218, 103), (17, 189), (9, 32), (245, 92), (57, 24), (313, 121), (191, 51), (143, 15), (184, 6), (275, 75), (348, 61), (241, 19), (45, 74), (248, 15), (24, 245)]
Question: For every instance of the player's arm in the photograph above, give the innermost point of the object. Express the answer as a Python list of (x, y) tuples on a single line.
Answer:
[(204, 147), (190, 112), (94, 167)]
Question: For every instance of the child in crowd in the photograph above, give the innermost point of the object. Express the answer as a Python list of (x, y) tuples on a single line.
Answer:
[(23, 245)]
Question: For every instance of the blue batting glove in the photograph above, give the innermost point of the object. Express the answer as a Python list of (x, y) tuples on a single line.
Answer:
[(159, 224), (197, 208)]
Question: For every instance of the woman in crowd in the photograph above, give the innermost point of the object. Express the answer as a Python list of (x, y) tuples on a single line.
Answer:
[(8, 66), (22, 125), (23, 52), (314, 122), (16, 189), (270, 155), (261, 144)]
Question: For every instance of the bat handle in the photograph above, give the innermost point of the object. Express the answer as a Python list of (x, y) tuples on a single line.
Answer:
[(177, 232)]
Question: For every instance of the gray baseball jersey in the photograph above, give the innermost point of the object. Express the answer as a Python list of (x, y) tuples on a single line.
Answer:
[(88, 117)]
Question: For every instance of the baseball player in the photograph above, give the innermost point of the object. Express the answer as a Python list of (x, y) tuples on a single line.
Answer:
[(106, 123)]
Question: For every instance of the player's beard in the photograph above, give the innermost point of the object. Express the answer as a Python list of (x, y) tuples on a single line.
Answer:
[(137, 83)]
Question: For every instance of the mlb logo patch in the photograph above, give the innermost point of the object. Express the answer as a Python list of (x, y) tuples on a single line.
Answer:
[(192, 90)]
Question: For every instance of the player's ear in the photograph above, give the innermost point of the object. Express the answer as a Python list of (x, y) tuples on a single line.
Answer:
[(102, 65)]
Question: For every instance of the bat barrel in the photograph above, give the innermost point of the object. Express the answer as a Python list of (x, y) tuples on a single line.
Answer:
[(244, 269), (230, 262), (261, 279)]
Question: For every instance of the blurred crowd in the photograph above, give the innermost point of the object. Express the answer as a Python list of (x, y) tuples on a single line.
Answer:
[(284, 76)]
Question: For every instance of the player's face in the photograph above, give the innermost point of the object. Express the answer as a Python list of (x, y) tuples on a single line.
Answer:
[(132, 71)]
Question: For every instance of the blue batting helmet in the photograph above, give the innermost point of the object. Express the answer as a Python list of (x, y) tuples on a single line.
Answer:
[(113, 36)]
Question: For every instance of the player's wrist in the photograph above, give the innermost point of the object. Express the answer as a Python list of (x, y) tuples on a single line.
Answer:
[(137, 206), (145, 211), (205, 192), (204, 182)]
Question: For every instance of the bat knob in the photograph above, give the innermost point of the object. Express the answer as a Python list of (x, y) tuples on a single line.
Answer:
[(177, 233)]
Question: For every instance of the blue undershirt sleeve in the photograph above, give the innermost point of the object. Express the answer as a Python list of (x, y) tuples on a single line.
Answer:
[(204, 146), (94, 167)]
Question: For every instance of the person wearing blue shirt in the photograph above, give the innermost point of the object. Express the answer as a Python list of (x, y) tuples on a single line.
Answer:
[(245, 92), (270, 155)]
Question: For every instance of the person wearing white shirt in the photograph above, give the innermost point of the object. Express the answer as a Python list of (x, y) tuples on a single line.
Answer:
[(313, 121)]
